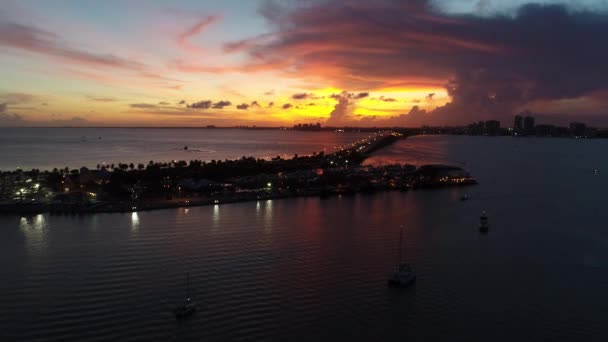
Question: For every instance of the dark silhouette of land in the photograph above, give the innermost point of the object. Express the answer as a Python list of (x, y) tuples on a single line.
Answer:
[(130, 187)]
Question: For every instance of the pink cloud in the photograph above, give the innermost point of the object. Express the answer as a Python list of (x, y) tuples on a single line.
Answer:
[(34, 40), (183, 39)]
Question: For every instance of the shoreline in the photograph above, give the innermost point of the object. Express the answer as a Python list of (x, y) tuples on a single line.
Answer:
[(16, 209)]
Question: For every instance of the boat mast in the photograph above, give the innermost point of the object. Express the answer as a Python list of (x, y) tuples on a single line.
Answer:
[(401, 245), (187, 284)]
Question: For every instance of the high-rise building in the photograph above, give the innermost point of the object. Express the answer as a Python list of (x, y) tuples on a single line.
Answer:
[(518, 124), (492, 127), (529, 125)]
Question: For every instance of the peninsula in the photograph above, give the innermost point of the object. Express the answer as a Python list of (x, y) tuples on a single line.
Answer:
[(129, 187)]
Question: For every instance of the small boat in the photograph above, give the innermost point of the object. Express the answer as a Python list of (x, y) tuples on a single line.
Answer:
[(404, 275), (484, 226), (464, 197), (189, 307)]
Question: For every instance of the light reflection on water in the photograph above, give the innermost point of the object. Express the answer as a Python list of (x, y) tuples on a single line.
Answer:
[(216, 216), (134, 220), (268, 215), (35, 230)]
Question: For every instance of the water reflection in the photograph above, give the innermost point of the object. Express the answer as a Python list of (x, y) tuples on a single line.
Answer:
[(268, 215), (216, 216), (34, 230), (134, 220)]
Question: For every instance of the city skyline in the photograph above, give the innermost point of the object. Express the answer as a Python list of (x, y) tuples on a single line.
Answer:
[(384, 63)]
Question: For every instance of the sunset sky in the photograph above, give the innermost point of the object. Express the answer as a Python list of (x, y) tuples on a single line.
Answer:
[(367, 63)]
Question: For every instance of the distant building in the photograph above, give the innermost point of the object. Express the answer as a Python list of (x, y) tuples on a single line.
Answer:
[(578, 129), (529, 125), (546, 130), (492, 127), (518, 124), (476, 128)]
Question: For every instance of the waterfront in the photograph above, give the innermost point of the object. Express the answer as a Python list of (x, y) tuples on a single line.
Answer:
[(310, 268), (48, 148)]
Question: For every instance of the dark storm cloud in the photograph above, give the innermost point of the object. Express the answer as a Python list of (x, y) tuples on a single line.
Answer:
[(342, 112), (494, 64), (242, 106)]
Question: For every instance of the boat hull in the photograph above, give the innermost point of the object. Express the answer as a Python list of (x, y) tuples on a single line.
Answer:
[(181, 313), (392, 282)]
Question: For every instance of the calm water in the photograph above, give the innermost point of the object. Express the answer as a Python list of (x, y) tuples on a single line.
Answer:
[(307, 268), (47, 148)]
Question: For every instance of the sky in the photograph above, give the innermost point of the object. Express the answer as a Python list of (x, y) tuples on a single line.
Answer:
[(189, 63)]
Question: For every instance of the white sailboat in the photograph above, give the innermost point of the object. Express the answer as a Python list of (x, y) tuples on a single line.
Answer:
[(403, 275)]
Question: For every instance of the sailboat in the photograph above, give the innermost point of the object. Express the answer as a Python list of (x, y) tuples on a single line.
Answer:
[(403, 275), (189, 307)]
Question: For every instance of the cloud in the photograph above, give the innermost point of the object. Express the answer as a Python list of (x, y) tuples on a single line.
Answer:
[(182, 102), (17, 98), (345, 94), (255, 104), (287, 106), (102, 99), (9, 119), (242, 106), (269, 93), (304, 96), (270, 104), (430, 96), (15, 120), (386, 99), (201, 105), (142, 105), (490, 65), (34, 40), (183, 39), (299, 96), (162, 103), (221, 104), (342, 112)]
